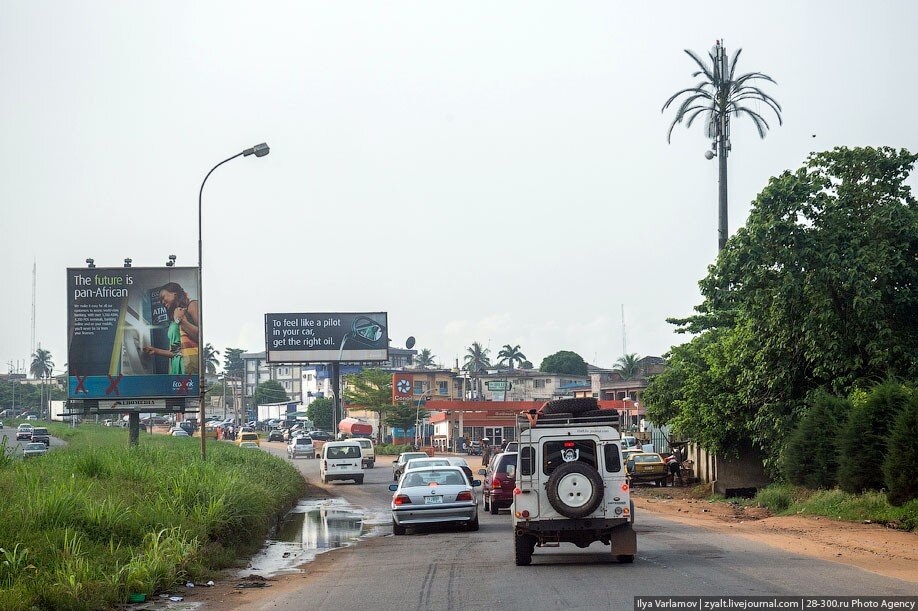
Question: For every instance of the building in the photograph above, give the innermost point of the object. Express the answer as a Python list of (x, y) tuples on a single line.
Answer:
[(526, 385), (607, 384), (258, 370)]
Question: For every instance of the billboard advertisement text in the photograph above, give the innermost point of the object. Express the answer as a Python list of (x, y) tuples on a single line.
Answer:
[(132, 332), (326, 337)]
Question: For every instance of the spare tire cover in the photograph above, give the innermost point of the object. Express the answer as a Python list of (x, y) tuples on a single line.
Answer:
[(575, 489)]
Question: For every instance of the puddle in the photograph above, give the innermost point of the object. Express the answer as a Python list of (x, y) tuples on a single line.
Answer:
[(311, 528)]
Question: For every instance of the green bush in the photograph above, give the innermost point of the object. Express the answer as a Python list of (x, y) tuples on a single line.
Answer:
[(900, 469), (810, 457), (862, 440), (89, 523), (393, 449), (777, 498)]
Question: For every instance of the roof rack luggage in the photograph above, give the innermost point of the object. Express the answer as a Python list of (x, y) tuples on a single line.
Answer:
[(534, 419)]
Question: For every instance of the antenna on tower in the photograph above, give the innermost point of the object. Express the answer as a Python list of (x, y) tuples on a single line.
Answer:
[(624, 337), (34, 274)]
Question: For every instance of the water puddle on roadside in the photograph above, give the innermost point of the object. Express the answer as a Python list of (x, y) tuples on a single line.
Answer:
[(311, 528)]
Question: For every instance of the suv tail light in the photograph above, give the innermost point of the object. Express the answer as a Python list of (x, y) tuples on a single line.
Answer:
[(465, 495), (402, 499), (325, 465)]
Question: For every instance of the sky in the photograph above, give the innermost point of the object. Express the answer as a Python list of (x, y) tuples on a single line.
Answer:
[(482, 171)]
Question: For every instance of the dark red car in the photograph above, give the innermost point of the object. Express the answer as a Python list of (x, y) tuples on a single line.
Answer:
[(499, 482)]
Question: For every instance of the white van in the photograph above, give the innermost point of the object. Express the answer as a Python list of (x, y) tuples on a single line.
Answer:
[(367, 451), (341, 460)]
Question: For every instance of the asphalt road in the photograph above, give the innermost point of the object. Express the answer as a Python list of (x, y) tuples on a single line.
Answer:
[(9, 432), (447, 569)]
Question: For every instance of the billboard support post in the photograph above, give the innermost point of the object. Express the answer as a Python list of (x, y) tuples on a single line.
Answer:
[(134, 428), (336, 384)]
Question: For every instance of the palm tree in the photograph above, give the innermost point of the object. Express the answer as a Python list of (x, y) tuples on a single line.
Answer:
[(425, 358), (721, 94), (476, 359), (42, 366), (211, 362), (511, 355), (628, 366)]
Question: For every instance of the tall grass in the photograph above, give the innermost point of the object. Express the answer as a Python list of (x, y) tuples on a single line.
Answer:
[(87, 524), (838, 504)]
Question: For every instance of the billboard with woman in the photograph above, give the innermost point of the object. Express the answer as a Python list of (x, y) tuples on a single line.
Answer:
[(133, 332)]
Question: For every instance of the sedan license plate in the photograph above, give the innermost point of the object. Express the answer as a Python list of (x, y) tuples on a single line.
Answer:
[(648, 468), (433, 500)]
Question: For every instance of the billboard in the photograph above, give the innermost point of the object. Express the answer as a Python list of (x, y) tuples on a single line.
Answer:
[(327, 337), (132, 332)]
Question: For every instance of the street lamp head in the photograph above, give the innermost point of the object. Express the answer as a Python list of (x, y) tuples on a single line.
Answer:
[(259, 150), (91, 262), (128, 261)]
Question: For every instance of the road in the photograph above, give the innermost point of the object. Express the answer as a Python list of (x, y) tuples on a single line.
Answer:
[(446, 569), (9, 433)]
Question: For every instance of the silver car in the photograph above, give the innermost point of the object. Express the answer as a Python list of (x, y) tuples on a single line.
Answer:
[(34, 449), (433, 495), (299, 447)]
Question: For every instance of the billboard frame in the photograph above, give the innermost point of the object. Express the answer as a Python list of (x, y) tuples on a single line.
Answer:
[(89, 403), (278, 359)]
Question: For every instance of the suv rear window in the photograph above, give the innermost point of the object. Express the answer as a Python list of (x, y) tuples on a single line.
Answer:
[(365, 443), (613, 458), (39, 431), (554, 453), (506, 461), (303, 441)]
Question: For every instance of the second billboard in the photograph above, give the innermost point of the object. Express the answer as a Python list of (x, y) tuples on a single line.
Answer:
[(326, 337)]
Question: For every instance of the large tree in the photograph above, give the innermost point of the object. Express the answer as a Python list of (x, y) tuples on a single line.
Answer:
[(322, 413), (42, 364), (371, 389), (511, 355), (818, 291), (720, 95), (232, 361), (270, 391), (564, 361), (403, 415)]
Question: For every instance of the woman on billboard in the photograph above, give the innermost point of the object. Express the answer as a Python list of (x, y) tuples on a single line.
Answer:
[(182, 332)]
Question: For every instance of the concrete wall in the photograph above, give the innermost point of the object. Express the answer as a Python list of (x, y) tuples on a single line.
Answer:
[(742, 475)]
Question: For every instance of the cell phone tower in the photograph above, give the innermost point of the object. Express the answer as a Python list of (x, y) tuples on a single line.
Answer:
[(34, 275)]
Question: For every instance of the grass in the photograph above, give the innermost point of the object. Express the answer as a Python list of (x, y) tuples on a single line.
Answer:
[(92, 522), (784, 499)]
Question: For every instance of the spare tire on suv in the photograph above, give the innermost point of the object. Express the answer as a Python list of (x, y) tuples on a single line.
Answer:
[(575, 407), (575, 490)]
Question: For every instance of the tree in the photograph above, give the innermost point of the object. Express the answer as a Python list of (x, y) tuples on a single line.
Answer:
[(720, 95), (526, 365), (628, 366), (816, 291), (901, 462), (371, 389), (270, 391), (564, 361), (211, 363), (405, 414), (476, 358), (425, 358), (511, 355), (232, 361), (863, 439), (42, 364), (322, 413), (810, 457)]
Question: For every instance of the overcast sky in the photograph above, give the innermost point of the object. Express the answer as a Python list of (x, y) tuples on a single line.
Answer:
[(487, 171)]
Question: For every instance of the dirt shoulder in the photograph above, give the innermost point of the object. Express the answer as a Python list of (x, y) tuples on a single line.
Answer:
[(871, 547)]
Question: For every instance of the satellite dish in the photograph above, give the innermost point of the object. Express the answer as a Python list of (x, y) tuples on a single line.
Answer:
[(409, 343)]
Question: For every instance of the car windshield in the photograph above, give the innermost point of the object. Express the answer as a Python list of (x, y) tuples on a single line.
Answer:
[(35, 446), (335, 452), (417, 463), (441, 478), (647, 458)]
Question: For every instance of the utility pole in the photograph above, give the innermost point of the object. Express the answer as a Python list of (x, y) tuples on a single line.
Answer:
[(722, 139)]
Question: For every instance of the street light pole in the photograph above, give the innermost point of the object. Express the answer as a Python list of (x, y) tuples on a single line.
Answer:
[(259, 150)]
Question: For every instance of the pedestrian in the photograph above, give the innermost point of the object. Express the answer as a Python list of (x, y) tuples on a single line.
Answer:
[(485, 451), (675, 467)]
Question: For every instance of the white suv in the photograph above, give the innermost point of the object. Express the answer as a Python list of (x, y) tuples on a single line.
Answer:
[(570, 484)]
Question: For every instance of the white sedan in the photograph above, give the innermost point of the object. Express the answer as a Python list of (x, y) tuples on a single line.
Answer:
[(433, 495)]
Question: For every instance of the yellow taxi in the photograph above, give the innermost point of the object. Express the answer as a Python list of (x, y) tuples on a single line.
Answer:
[(646, 467), (250, 437)]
